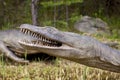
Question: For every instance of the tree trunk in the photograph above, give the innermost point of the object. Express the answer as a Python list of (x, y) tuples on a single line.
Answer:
[(34, 12), (55, 8), (2, 13), (67, 15)]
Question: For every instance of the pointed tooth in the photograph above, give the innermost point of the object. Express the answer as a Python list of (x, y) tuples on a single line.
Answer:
[(45, 40), (37, 42), (36, 35), (32, 34), (42, 38), (28, 32), (25, 31), (22, 30), (49, 41)]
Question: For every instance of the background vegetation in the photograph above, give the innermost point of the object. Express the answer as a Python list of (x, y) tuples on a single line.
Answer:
[(61, 14)]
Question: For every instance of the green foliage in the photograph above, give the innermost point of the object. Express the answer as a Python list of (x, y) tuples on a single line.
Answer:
[(15, 12), (62, 25), (113, 23), (7, 26), (59, 3), (51, 13)]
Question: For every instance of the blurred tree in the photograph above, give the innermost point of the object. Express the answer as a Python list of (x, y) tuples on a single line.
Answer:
[(106, 7), (34, 11), (1, 13), (60, 13)]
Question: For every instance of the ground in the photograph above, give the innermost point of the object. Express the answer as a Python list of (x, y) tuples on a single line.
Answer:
[(58, 70)]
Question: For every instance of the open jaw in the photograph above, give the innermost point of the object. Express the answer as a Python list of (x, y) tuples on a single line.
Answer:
[(41, 40)]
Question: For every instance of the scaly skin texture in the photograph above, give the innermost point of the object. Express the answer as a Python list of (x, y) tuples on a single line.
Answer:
[(81, 49)]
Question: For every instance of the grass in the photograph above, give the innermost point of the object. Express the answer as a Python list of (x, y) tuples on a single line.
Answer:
[(60, 70)]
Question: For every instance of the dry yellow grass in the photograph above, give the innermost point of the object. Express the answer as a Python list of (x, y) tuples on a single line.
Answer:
[(59, 70)]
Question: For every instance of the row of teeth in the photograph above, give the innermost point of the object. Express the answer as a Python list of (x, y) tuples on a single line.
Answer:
[(40, 37), (39, 43)]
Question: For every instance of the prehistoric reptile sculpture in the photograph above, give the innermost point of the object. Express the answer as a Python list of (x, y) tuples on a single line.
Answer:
[(81, 49), (11, 48)]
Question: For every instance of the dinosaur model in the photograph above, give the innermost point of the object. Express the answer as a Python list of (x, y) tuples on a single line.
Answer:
[(11, 48), (85, 50), (81, 49)]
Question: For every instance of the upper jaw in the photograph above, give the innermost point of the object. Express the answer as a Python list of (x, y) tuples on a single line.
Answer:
[(47, 37), (48, 32), (39, 39)]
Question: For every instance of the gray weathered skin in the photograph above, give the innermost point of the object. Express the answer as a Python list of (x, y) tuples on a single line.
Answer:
[(9, 45), (81, 49)]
